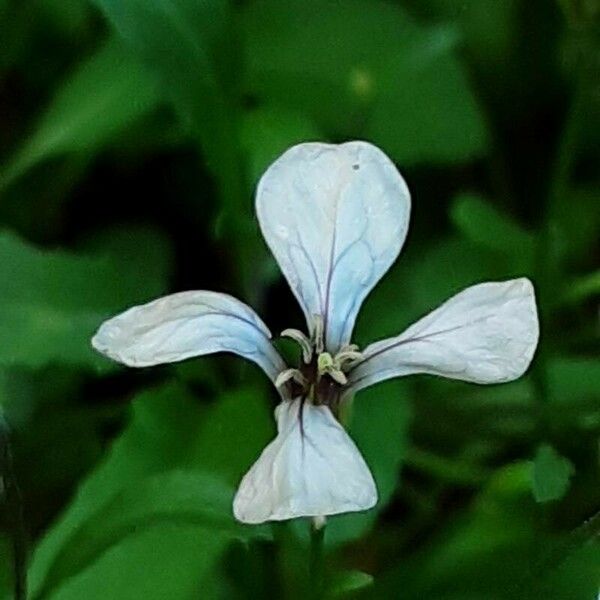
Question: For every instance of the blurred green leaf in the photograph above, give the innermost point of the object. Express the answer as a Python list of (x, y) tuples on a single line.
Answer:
[(550, 474), (164, 425), (233, 434), (105, 94), (462, 559), (582, 288), (268, 131), (180, 40), (183, 497), (136, 486), (347, 582), (573, 379), (6, 559), (488, 26), (190, 47), (379, 425), (576, 223), (372, 73), (481, 223), (165, 561), (61, 298), (68, 16)]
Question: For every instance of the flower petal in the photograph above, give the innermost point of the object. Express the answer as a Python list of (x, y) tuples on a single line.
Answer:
[(188, 324), (335, 217), (485, 334), (312, 468)]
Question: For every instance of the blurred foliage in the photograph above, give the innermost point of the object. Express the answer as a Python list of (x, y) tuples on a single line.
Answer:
[(132, 134)]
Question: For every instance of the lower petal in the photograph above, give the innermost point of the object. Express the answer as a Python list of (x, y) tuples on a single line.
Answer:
[(312, 468)]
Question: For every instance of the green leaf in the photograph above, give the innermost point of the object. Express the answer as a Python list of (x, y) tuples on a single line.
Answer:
[(165, 561), (550, 474), (163, 427), (175, 463), (268, 131), (582, 288), (6, 561), (371, 70), (104, 95), (576, 222), (573, 379), (189, 46), (193, 498), (348, 582), (425, 111), (52, 301), (481, 223), (233, 434), (494, 548), (180, 40)]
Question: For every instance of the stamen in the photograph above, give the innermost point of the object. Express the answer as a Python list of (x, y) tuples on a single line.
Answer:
[(349, 348), (346, 356), (324, 362), (288, 374), (317, 334), (337, 376), (302, 340), (326, 365)]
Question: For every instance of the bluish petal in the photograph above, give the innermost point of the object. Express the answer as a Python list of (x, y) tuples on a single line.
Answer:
[(184, 325), (335, 217), (487, 333), (311, 469)]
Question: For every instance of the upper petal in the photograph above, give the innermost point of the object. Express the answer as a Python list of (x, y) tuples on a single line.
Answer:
[(187, 324), (485, 334), (335, 217), (312, 468)]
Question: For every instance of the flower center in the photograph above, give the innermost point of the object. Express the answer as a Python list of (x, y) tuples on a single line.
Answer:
[(321, 375)]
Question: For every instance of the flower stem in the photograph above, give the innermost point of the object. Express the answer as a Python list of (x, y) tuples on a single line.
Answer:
[(317, 536)]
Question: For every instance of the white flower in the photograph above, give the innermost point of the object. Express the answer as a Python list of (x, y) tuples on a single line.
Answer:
[(335, 217)]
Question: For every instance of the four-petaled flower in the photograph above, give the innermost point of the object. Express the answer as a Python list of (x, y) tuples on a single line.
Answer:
[(335, 217)]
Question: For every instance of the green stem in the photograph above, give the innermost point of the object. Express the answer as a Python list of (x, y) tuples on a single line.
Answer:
[(316, 572)]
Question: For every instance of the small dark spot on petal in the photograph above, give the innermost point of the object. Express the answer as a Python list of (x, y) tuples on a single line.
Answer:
[(355, 167)]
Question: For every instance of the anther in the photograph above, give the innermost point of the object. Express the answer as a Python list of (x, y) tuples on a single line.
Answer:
[(327, 365), (346, 356), (324, 362), (317, 333), (302, 340), (288, 375)]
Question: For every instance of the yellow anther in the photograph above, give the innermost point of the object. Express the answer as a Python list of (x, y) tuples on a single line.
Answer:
[(324, 362)]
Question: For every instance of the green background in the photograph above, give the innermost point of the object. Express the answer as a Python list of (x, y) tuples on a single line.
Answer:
[(132, 135)]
